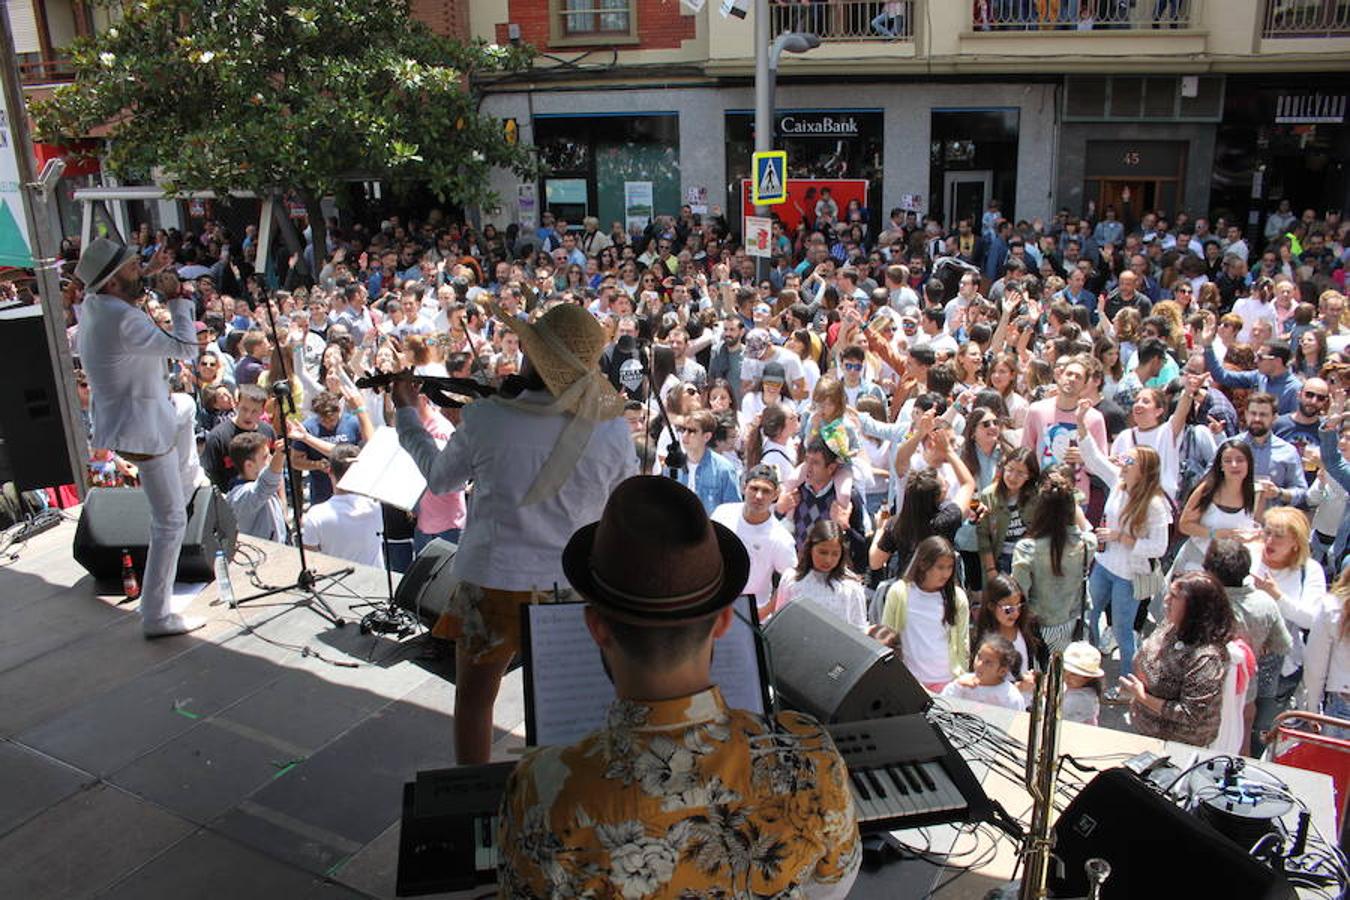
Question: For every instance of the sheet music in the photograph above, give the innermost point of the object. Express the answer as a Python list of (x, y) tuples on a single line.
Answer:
[(384, 471), (571, 692)]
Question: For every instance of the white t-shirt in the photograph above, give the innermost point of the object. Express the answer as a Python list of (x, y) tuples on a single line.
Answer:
[(1004, 694), (347, 526), (924, 641), (843, 599), (1251, 309), (752, 369), (769, 544)]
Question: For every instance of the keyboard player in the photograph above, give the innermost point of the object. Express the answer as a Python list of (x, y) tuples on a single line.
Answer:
[(677, 793)]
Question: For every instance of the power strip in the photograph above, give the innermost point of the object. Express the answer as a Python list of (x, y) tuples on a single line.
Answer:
[(42, 522)]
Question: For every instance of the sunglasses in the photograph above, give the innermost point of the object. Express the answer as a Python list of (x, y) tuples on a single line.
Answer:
[(1126, 462), (990, 423), (1009, 608), (688, 430), (853, 367), (1313, 395)]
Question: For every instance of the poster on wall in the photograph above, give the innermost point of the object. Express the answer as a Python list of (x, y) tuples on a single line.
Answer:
[(15, 249), (759, 236), (527, 205), (637, 205), (911, 202), (804, 194)]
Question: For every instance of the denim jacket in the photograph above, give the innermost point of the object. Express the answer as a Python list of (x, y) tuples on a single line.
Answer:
[(716, 482)]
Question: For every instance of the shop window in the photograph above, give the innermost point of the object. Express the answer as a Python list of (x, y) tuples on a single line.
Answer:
[(592, 21)]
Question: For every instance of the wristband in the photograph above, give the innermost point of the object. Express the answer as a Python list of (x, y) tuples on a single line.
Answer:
[(358, 410)]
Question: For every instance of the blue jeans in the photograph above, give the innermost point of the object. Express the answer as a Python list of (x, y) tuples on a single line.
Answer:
[(421, 539), (1336, 705), (1118, 593)]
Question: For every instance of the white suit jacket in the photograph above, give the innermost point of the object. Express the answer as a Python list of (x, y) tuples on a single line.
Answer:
[(123, 353)]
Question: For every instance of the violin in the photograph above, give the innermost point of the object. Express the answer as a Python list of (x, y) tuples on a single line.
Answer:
[(450, 393)]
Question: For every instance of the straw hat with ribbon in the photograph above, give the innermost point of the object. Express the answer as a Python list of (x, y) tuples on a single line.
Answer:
[(564, 347)]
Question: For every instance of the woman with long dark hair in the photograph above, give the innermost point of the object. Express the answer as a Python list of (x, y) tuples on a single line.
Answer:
[(1004, 611), (1224, 504), (1178, 693), (926, 617), (774, 440), (1008, 505), (1052, 561), (823, 577)]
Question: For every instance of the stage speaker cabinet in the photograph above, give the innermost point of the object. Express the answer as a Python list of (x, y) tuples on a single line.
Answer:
[(30, 405), (424, 589), (825, 667), (1155, 848), (114, 519)]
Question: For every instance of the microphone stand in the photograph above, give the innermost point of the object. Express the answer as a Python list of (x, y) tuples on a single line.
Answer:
[(675, 458), (308, 581)]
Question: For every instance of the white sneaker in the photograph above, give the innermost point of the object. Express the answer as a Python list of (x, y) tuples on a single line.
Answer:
[(170, 625)]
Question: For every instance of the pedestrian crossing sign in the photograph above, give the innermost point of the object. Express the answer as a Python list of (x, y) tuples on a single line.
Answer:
[(769, 186)]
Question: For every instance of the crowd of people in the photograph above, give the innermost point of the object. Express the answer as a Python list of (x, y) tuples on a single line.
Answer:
[(1099, 436)]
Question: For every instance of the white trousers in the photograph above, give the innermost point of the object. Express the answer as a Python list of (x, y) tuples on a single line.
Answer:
[(166, 481)]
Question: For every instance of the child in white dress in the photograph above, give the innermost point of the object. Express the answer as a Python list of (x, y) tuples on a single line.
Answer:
[(995, 660)]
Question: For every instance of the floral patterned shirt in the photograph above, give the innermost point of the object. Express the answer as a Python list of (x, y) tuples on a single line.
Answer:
[(682, 798)]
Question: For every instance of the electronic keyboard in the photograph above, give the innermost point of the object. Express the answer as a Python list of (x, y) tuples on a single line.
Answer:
[(904, 773), (448, 840)]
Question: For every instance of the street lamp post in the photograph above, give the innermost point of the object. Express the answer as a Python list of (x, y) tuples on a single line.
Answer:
[(767, 54)]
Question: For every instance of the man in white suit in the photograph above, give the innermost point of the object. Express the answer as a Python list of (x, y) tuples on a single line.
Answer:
[(123, 353)]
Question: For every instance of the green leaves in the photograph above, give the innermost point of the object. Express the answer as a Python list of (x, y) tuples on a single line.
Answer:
[(268, 94)]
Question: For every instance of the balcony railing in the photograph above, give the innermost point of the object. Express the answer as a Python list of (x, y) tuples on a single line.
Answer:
[(46, 71), (1080, 15), (845, 20), (1307, 18)]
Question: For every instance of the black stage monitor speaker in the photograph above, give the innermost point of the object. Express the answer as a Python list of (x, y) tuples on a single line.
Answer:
[(30, 405), (1156, 849), (424, 589), (831, 670), (114, 519)]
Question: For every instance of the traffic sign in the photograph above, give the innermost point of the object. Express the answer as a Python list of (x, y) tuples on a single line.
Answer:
[(769, 185)]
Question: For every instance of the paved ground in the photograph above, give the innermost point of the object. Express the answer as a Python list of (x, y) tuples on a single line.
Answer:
[(228, 763)]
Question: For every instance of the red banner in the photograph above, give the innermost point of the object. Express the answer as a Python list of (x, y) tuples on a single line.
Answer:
[(803, 193)]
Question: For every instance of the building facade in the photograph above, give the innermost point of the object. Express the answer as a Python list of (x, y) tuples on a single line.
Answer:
[(939, 107)]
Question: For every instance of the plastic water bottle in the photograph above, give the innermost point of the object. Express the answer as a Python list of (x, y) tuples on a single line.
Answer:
[(223, 587)]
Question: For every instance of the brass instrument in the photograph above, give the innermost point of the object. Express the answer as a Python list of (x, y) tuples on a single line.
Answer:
[(1041, 770)]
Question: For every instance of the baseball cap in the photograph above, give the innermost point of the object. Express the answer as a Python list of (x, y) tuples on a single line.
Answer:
[(757, 341), (762, 472), (774, 372)]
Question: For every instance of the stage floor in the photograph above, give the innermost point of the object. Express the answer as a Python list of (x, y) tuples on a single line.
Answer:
[(240, 761), (227, 763)]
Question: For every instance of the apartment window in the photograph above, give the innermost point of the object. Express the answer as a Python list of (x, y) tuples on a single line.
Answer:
[(593, 21)]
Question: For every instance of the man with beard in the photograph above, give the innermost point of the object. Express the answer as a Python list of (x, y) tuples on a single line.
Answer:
[(678, 794), (1300, 426), (1052, 425), (726, 359), (1279, 468), (123, 352)]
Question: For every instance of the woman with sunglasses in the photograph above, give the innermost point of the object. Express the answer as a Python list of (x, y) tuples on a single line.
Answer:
[(982, 450), (1132, 536), (1004, 611)]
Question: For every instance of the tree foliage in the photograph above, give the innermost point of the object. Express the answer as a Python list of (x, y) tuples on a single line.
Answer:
[(286, 94)]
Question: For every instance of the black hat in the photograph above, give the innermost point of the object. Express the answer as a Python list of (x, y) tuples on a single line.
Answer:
[(655, 558)]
